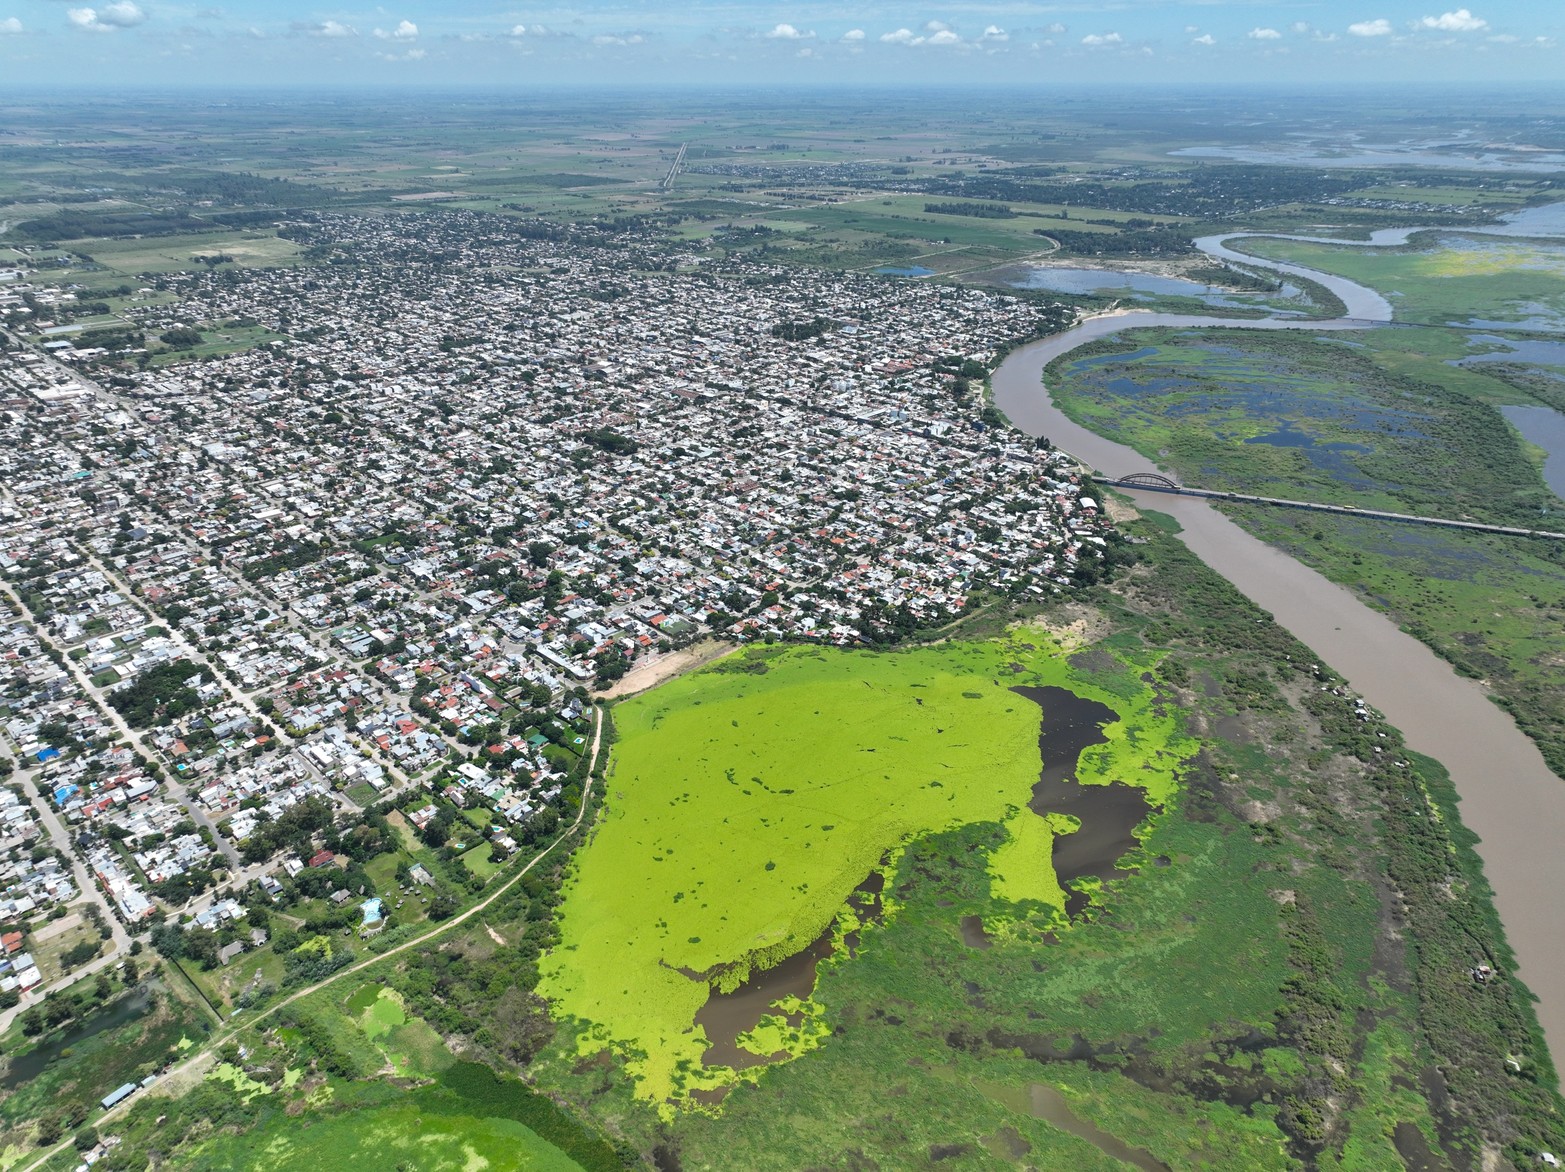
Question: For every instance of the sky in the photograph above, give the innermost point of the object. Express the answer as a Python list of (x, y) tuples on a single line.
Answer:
[(914, 42)]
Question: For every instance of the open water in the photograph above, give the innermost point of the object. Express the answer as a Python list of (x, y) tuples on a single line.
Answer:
[(1509, 797)]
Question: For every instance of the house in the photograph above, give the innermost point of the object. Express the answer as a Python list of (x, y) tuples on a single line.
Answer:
[(229, 951), (322, 858)]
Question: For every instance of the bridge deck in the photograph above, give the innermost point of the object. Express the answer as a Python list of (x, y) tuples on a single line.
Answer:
[(1156, 482)]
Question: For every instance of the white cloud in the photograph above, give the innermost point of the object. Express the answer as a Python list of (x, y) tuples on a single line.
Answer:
[(1299, 27), (1460, 21), (995, 33), (410, 55), (1264, 34), (1371, 28), (1105, 39), (786, 32), (10, 26), (1504, 39), (109, 17), (1205, 39), (121, 15), (1055, 29), (1192, 28), (939, 35), (631, 39), (324, 28), (806, 52), (936, 26), (406, 31), (853, 35)]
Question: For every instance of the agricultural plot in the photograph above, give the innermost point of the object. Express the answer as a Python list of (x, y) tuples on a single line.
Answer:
[(804, 771), (167, 254)]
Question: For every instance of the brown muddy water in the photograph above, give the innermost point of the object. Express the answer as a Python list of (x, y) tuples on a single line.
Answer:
[(1509, 798), (1108, 814), (1042, 1101), (725, 1016)]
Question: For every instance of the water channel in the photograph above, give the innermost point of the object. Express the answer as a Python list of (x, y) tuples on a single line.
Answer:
[(1508, 795), (30, 1065)]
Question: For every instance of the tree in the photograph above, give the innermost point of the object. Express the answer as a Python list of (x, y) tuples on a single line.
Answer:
[(181, 338), (201, 946), (168, 941), (443, 906), (79, 954)]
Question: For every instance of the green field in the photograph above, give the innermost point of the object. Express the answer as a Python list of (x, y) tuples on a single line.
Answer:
[(1447, 278), (174, 253), (376, 1139), (801, 769)]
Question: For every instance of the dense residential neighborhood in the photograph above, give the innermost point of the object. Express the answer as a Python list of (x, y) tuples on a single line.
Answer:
[(317, 621)]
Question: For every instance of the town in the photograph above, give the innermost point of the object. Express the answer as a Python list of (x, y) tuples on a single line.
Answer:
[(304, 636)]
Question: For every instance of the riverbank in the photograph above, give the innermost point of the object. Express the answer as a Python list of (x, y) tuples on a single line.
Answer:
[(1509, 796)]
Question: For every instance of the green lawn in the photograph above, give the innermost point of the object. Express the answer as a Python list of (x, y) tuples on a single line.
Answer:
[(477, 861)]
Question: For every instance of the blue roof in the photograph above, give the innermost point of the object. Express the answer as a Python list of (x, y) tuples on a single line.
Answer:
[(48, 754)]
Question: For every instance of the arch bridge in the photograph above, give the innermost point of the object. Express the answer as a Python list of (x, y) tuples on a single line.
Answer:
[(1149, 480)]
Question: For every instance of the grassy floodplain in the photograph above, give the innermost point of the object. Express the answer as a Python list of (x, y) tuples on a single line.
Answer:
[(747, 802), (1443, 278), (1385, 418)]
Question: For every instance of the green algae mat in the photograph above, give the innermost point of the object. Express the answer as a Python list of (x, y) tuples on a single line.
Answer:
[(747, 801)]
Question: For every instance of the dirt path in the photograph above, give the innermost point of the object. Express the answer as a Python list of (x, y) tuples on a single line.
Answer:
[(664, 668)]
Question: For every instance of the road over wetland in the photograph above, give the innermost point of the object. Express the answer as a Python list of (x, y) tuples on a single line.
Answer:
[(1508, 795)]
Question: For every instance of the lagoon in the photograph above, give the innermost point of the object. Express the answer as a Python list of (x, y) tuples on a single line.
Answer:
[(1544, 427)]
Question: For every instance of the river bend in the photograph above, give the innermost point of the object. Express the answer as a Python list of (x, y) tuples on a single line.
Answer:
[(1509, 797)]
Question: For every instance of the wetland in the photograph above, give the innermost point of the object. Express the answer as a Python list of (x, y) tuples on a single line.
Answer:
[(1518, 807)]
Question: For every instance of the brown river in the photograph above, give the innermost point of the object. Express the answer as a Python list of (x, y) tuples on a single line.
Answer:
[(1508, 795)]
